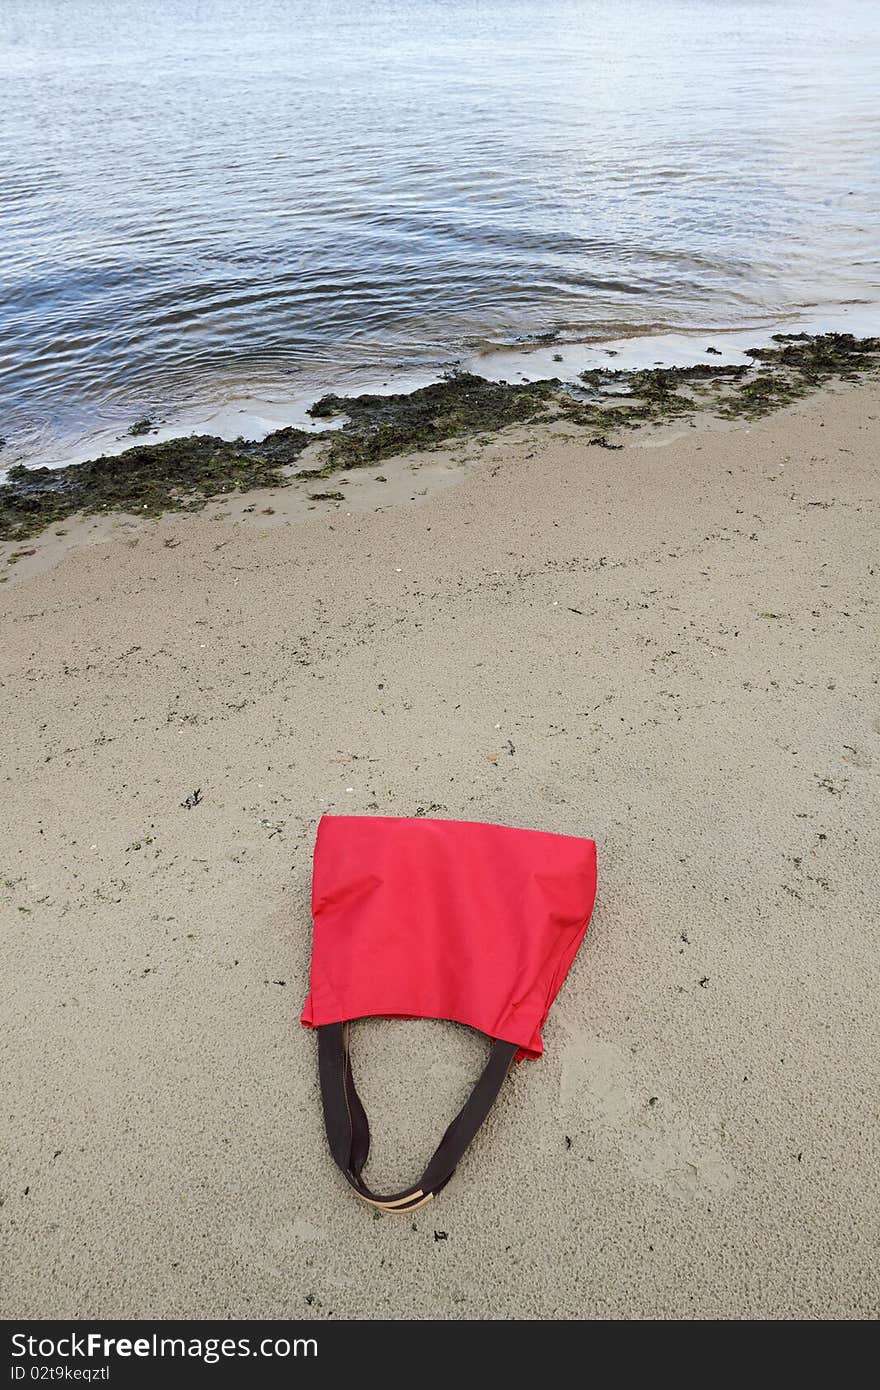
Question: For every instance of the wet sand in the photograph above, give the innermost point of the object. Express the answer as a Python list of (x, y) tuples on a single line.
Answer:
[(673, 649)]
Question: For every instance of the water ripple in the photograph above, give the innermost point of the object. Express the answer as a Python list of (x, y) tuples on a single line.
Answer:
[(198, 200)]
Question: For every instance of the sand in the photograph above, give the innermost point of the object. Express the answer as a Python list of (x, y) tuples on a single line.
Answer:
[(673, 649)]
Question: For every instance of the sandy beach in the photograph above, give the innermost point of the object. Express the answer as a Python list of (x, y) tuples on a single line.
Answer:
[(671, 647)]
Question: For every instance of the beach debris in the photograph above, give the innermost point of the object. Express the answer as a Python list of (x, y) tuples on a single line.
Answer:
[(509, 746), (171, 542), (579, 611), (828, 785), (601, 442), (441, 1235), (772, 615), (557, 357), (546, 335), (137, 845), (568, 1141), (326, 496), (379, 478), (142, 426), (19, 555), (704, 981), (716, 352), (192, 800), (652, 1101)]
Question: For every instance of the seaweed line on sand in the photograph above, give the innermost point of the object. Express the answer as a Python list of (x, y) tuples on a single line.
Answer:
[(184, 474)]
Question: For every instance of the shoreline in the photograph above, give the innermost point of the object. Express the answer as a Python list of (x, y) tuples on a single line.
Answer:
[(672, 649), (188, 472), (252, 410)]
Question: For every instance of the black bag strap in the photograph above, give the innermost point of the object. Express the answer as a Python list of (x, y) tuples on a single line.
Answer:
[(348, 1130)]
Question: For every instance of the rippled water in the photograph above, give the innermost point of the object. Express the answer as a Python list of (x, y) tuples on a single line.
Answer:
[(210, 200)]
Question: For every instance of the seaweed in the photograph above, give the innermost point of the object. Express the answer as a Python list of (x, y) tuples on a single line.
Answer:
[(762, 394), (177, 475), (184, 474), (797, 365), (652, 395), (380, 427)]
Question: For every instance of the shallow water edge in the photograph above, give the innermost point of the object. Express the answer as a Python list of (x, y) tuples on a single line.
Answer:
[(183, 474)]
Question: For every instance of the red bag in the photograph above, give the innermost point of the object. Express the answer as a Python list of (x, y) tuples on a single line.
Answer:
[(438, 919)]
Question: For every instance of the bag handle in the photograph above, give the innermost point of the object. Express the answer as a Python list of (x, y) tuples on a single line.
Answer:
[(348, 1130)]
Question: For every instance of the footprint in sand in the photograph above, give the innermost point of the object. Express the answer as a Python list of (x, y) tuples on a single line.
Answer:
[(291, 1235), (274, 1247), (597, 1087), (671, 1160), (594, 1085)]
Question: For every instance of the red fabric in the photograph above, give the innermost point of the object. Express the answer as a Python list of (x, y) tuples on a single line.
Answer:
[(446, 919)]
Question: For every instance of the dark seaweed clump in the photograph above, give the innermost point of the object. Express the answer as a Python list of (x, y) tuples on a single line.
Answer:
[(183, 474), (178, 475), (652, 395), (382, 427), (797, 365)]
